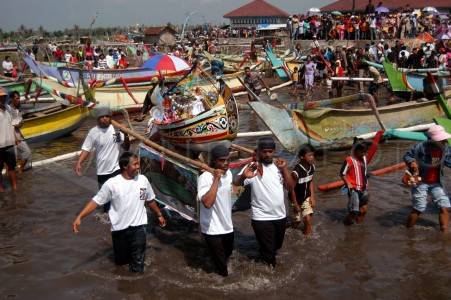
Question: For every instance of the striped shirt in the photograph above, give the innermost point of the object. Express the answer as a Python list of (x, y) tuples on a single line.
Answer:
[(304, 178), (355, 171)]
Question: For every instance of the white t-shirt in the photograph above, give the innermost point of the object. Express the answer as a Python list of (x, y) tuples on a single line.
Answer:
[(218, 218), (267, 196), (6, 129), (127, 199), (110, 62), (7, 66), (104, 141), (67, 57)]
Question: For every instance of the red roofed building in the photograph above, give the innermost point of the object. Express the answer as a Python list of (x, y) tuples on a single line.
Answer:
[(255, 13), (164, 35), (346, 5)]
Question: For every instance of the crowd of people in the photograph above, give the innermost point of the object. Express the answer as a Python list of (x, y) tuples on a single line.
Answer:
[(371, 24), (352, 61)]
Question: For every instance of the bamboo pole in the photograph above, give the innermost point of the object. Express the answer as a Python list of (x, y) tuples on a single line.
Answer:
[(373, 105), (254, 134), (162, 149), (354, 79), (241, 148)]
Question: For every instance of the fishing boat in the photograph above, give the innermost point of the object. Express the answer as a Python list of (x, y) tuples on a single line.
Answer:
[(52, 121), (334, 128)]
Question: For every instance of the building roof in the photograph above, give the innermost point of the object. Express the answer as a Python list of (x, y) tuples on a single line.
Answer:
[(157, 30), (257, 8), (346, 5)]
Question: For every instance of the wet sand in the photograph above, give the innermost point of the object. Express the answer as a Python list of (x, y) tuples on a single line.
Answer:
[(40, 257)]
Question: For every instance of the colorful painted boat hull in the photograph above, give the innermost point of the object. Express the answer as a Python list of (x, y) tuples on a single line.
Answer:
[(174, 183), (54, 125)]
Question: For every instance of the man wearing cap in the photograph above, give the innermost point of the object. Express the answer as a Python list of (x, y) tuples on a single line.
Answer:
[(267, 178), (426, 160), (7, 142), (214, 191), (106, 142)]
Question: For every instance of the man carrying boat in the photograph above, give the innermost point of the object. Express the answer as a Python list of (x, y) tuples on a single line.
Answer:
[(267, 178), (107, 144), (214, 191), (7, 142), (427, 160), (129, 193)]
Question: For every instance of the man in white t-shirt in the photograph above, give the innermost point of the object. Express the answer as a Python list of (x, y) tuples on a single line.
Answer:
[(7, 142), (129, 193), (214, 191), (110, 62), (267, 178), (23, 151), (8, 66), (107, 143)]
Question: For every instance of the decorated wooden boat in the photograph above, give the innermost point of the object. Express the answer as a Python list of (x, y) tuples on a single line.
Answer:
[(217, 124)]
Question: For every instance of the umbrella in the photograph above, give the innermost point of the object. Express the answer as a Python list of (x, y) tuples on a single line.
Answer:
[(165, 62), (314, 10), (336, 13), (430, 9), (382, 9)]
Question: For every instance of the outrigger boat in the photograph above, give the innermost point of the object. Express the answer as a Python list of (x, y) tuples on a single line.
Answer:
[(52, 121), (333, 128)]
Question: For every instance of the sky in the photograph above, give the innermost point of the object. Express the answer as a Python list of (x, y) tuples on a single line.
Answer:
[(60, 14)]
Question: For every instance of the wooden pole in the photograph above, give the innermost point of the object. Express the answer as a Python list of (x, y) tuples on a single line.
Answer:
[(375, 110), (241, 148), (163, 150)]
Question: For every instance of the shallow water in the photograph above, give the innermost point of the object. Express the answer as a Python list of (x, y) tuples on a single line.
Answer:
[(41, 258)]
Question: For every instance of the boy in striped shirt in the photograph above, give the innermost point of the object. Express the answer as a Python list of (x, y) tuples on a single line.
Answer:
[(302, 195), (354, 175)]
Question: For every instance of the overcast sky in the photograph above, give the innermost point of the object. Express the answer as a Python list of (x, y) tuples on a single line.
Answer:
[(60, 14)]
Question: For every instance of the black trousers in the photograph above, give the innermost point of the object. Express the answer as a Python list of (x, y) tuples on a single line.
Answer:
[(129, 247), (270, 235), (220, 247), (101, 179)]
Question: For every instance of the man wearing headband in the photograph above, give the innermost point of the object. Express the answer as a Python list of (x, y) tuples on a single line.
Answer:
[(427, 160), (214, 191), (107, 144), (267, 178)]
